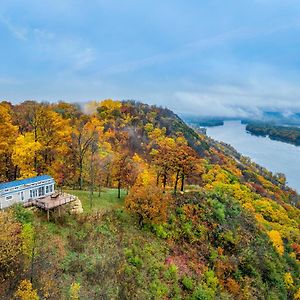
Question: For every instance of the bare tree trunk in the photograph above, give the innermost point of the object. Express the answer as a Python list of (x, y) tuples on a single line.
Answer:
[(176, 182), (35, 156), (182, 182), (164, 181), (80, 179), (157, 179), (119, 189), (141, 221), (107, 180), (16, 172), (35, 164), (91, 179)]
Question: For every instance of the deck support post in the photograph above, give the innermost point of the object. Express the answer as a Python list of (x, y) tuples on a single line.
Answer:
[(48, 215), (59, 211)]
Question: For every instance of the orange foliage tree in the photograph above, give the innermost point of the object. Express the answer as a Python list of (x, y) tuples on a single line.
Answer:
[(149, 202)]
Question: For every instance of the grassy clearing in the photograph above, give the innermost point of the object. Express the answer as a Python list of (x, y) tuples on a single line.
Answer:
[(107, 200)]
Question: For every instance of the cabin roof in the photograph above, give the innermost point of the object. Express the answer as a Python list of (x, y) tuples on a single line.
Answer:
[(7, 185)]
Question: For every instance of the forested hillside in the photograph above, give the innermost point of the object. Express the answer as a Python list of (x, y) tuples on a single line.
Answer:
[(286, 134), (194, 219)]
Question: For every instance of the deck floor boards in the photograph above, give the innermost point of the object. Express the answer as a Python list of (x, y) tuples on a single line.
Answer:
[(48, 202)]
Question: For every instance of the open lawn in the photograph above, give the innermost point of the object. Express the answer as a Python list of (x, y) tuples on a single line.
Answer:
[(108, 199)]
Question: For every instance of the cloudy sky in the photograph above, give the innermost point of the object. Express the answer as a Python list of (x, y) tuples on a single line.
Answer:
[(215, 57)]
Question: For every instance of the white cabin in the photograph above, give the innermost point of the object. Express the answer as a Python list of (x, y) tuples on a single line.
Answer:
[(25, 190)]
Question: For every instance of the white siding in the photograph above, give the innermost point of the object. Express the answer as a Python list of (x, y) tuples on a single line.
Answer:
[(26, 192)]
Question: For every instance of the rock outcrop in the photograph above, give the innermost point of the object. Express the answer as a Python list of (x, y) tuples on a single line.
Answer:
[(76, 207)]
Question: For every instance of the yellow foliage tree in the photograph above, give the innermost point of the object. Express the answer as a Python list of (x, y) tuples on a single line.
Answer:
[(8, 135), (24, 153), (54, 134), (26, 292), (275, 237), (297, 295), (8, 131), (110, 104), (74, 291), (288, 280)]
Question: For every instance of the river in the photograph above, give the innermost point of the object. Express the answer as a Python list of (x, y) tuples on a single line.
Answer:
[(274, 155)]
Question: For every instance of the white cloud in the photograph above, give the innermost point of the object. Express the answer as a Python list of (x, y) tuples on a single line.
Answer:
[(19, 32), (246, 100), (83, 58)]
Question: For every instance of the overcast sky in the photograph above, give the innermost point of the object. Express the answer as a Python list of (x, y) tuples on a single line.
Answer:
[(230, 58)]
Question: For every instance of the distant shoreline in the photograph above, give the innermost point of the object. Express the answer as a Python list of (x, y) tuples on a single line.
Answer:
[(280, 133)]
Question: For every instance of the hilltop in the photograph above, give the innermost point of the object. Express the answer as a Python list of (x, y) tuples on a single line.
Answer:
[(168, 212)]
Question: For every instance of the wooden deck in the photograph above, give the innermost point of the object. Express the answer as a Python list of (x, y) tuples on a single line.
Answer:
[(48, 202)]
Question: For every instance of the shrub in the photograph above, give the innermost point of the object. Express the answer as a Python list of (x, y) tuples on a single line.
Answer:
[(160, 231), (132, 258), (219, 210), (171, 273), (187, 283), (158, 289), (211, 280), (188, 230), (22, 214), (203, 293)]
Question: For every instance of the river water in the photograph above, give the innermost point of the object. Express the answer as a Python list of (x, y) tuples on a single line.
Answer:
[(274, 155)]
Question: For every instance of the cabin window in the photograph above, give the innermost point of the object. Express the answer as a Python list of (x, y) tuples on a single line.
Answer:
[(41, 191), (47, 189), (7, 198), (31, 194)]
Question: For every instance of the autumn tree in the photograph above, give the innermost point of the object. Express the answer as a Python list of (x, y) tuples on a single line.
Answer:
[(102, 162), (26, 117), (83, 137), (47, 127), (163, 158), (25, 154), (184, 162), (26, 292), (8, 135), (74, 291), (148, 202), (53, 133), (69, 111), (122, 170), (109, 110)]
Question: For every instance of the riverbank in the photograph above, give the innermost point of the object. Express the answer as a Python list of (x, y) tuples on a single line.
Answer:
[(276, 156)]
